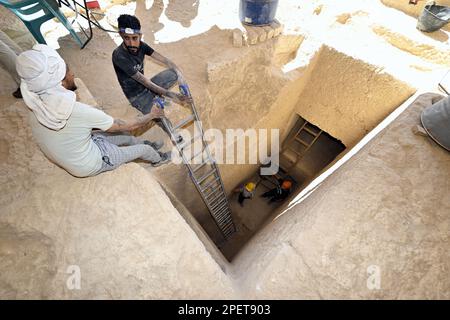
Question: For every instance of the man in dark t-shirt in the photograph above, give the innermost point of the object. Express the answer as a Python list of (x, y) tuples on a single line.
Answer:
[(128, 61), (126, 65)]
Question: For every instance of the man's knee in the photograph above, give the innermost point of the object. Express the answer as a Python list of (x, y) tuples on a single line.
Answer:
[(173, 76), (144, 108), (165, 79)]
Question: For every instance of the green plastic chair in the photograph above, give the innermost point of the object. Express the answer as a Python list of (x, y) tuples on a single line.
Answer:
[(28, 10)]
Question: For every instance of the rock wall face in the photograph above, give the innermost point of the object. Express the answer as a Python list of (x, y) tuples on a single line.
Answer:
[(119, 228), (347, 97), (379, 227)]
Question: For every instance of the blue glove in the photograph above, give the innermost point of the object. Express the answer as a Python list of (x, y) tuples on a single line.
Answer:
[(184, 89)]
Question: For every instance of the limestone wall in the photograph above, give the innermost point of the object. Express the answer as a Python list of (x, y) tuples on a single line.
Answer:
[(347, 97)]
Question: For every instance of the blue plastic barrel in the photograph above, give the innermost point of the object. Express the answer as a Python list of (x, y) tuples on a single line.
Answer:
[(257, 12)]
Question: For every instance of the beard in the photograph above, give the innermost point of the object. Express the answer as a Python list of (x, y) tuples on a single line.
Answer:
[(132, 50)]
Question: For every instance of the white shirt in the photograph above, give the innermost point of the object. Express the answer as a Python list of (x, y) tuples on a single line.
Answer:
[(72, 147)]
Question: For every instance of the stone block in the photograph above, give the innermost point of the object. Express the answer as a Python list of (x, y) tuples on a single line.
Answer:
[(237, 38), (83, 94), (262, 35), (419, 130), (252, 35), (269, 32), (277, 28)]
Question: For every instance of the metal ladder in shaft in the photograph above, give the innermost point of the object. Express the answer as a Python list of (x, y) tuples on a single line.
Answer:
[(205, 175), (305, 128)]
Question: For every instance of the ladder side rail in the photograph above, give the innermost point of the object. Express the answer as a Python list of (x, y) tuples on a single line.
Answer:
[(206, 147)]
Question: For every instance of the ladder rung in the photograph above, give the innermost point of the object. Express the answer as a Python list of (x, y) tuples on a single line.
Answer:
[(225, 217), (190, 142), (184, 122), (313, 133), (218, 204), (217, 197), (211, 193), (222, 213), (206, 176), (229, 225), (230, 222), (210, 184), (218, 209), (302, 142), (295, 151), (200, 166), (230, 231), (229, 234), (196, 154)]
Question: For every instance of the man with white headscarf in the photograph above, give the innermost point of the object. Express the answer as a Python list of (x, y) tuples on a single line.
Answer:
[(63, 127)]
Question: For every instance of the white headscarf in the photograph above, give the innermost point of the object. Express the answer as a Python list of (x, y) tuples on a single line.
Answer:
[(41, 70)]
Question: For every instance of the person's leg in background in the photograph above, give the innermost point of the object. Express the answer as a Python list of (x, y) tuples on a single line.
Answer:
[(270, 193), (274, 198), (165, 79), (241, 199), (8, 56), (144, 101)]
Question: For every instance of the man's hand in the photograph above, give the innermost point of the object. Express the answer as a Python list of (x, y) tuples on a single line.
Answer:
[(184, 100), (179, 98), (120, 125), (157, 112)]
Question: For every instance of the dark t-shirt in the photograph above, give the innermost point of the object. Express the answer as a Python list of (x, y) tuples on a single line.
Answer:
[(127, 64)]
